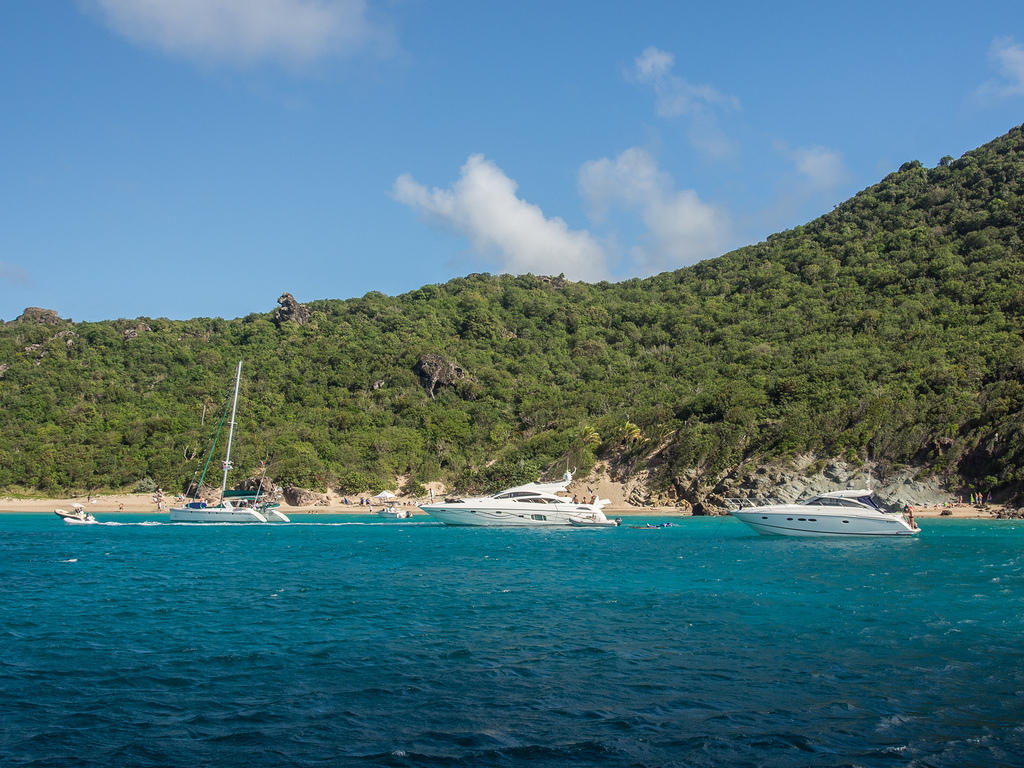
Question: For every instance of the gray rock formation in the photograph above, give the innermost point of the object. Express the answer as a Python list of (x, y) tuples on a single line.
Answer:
[(131, 333), (300, 497), (40, 315), (437, 371), (290, 311)]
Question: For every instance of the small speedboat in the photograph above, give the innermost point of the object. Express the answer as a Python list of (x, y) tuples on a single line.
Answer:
[(78, 515), (394, 513), (593, 521)]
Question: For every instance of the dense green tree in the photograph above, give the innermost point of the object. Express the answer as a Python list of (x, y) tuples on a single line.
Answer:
[(888, 330)]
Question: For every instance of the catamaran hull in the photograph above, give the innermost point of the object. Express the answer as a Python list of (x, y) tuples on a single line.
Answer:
[(802, 523), (216, 515)]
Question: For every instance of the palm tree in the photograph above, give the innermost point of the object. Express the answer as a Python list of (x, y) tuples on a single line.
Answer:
[(632, 434), (588, 436)]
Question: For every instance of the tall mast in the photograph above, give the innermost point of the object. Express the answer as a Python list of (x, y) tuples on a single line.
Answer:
[(231, 431)]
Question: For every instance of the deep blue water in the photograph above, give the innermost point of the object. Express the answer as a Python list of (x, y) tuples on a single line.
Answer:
[(347, 641)]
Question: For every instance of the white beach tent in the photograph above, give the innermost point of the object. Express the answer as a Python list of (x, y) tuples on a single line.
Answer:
[(385, 495)]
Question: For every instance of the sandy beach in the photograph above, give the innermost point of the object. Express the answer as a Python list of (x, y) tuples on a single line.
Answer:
[(144, 503)]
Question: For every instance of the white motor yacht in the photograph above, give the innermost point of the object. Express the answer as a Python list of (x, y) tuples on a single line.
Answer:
[(77, 515), (533, 504), (837, 513)]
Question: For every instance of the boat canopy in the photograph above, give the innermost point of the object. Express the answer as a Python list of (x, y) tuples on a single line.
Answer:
[(244, 495)]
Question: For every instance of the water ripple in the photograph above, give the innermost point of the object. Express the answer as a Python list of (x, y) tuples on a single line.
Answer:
[(365, 642)]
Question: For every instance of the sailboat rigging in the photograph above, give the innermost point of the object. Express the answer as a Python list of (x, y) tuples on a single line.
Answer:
[(249, 509)]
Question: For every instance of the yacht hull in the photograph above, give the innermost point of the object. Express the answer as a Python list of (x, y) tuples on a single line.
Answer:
[(800, 522), (479, 516)]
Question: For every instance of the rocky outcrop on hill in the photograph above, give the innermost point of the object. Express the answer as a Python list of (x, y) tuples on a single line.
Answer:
[(437, 371), (300, 497), (290, 311), (131, 333), (40, 315), (68, 336)]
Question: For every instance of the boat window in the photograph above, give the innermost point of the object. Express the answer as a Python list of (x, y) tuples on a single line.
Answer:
[(868, 501), (812, 519), (539, 517), (846, 521)]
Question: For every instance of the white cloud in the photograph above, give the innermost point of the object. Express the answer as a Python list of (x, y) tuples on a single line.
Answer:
[(681, 228), (677, 97), (245, 31), (1008, 57), (822, 167), (482, 205), (653, 64)]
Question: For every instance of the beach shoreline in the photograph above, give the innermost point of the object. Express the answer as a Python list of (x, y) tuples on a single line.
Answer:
[(143, 503)]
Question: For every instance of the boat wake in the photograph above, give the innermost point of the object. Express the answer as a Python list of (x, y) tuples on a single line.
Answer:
[(310, 524)]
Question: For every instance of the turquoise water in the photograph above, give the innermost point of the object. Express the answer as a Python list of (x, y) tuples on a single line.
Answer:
[(348, 641)]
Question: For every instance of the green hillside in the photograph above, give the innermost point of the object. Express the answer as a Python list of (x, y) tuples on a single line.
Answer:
[(889, 330)]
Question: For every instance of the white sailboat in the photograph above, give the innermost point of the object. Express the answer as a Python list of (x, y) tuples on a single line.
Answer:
[(226, 512)]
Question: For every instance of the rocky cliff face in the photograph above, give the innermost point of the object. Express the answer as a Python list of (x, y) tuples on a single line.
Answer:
[(807, 476)]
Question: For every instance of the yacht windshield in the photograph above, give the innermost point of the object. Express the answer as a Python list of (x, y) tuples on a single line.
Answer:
[(839, 501), (869, 501)]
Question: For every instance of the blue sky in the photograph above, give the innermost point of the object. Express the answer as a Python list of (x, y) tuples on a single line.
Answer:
[(183, 158)]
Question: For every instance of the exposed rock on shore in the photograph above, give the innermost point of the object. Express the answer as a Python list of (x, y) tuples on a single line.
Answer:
[(300, 497)]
